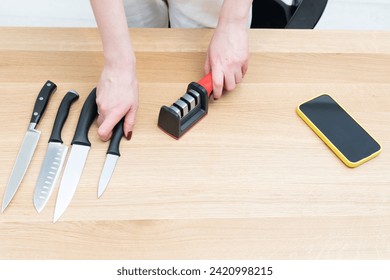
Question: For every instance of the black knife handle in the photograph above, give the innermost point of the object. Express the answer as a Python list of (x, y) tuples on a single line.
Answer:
[(42, 100), (62, 115), (87, 116), (116, 137)]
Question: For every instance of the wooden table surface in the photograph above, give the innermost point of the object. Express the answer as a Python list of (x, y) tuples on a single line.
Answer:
[(249, 181)]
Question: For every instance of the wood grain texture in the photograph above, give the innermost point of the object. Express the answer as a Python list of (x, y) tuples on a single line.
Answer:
[(249, 181)]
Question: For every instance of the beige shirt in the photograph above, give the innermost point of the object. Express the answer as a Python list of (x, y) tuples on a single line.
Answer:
[(179, 13)]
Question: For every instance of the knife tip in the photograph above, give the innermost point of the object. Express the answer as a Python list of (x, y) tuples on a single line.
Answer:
[(3, 207), (101, 188), (56, 216), (36, 206)]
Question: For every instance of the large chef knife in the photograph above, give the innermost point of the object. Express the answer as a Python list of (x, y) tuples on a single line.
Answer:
[(77, 157), (111, 158), (29, 144), (55, 155)]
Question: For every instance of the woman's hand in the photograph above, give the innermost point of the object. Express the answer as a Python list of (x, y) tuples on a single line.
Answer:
[(117, 97), (228, 52), (227, 57), (117, 89)]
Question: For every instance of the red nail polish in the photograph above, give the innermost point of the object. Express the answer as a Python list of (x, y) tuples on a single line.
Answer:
[(128, 135)]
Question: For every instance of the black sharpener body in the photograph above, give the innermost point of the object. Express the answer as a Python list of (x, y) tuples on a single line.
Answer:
[(185, 112)]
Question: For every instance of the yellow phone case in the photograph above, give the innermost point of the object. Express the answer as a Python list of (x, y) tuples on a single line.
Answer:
[(343, 158)]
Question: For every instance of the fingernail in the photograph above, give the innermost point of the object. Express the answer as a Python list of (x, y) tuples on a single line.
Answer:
[(128, 135)]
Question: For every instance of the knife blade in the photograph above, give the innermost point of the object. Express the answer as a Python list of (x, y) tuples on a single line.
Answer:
[(77, 157), (55, 154), (111, 158), (29, 143)]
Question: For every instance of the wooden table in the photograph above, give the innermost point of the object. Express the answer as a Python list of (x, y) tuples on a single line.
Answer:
[(249, 181)]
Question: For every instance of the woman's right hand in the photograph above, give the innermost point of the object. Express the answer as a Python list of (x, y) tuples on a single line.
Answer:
[(117, 97), (117, 89)]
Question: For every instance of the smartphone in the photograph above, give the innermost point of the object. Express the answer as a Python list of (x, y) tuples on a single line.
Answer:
[(344, 136)]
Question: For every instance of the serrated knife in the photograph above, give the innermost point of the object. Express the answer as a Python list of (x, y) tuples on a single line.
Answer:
[(29, 143), (111, 158), (55, 154), (77, 157)]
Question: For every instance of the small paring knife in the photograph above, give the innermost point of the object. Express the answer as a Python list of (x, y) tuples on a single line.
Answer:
[(111, 158), (77, 157), (55, 155), (29, 144)]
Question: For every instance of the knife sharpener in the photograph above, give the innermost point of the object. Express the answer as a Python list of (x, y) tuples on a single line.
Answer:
[(185, 112)]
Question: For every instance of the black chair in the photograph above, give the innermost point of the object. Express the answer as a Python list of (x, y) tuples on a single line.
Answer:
[(302, 14)]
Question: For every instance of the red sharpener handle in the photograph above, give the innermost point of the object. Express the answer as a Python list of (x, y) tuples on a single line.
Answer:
[(207, 83)]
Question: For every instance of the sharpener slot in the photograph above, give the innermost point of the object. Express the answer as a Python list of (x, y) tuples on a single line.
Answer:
[(189, 100), (182, 106), (195, 95), (177, 110), (188, 105)]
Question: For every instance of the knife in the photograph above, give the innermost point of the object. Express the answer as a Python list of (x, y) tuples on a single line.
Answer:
[(77, 157), (111, 158), (55, 155), (29, 143)]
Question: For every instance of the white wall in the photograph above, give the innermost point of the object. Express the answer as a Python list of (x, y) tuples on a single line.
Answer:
[(356, 14), (61, 13), (340, 14)]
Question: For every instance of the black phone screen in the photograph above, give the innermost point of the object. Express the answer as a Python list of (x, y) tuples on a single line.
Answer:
[(340, 128)]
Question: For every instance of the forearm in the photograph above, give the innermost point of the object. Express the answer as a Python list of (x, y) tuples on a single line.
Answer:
[(111, 20), (236, 12), (117, 89), (228, 52)]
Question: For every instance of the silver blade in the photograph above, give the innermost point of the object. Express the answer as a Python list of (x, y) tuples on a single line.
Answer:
[(23, 159), (50, 170), (72, 174), (108, 169)]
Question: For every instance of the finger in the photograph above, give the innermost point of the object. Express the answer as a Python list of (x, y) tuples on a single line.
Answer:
[(244, 69), (217, 83), (230, 81), (129, 123), (238, 77), (100, 120), (105, 129), (100, 112)]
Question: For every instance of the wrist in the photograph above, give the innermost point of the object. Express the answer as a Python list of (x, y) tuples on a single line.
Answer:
[(239, 21), (124, 62), (118, 50), (232, 13)]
